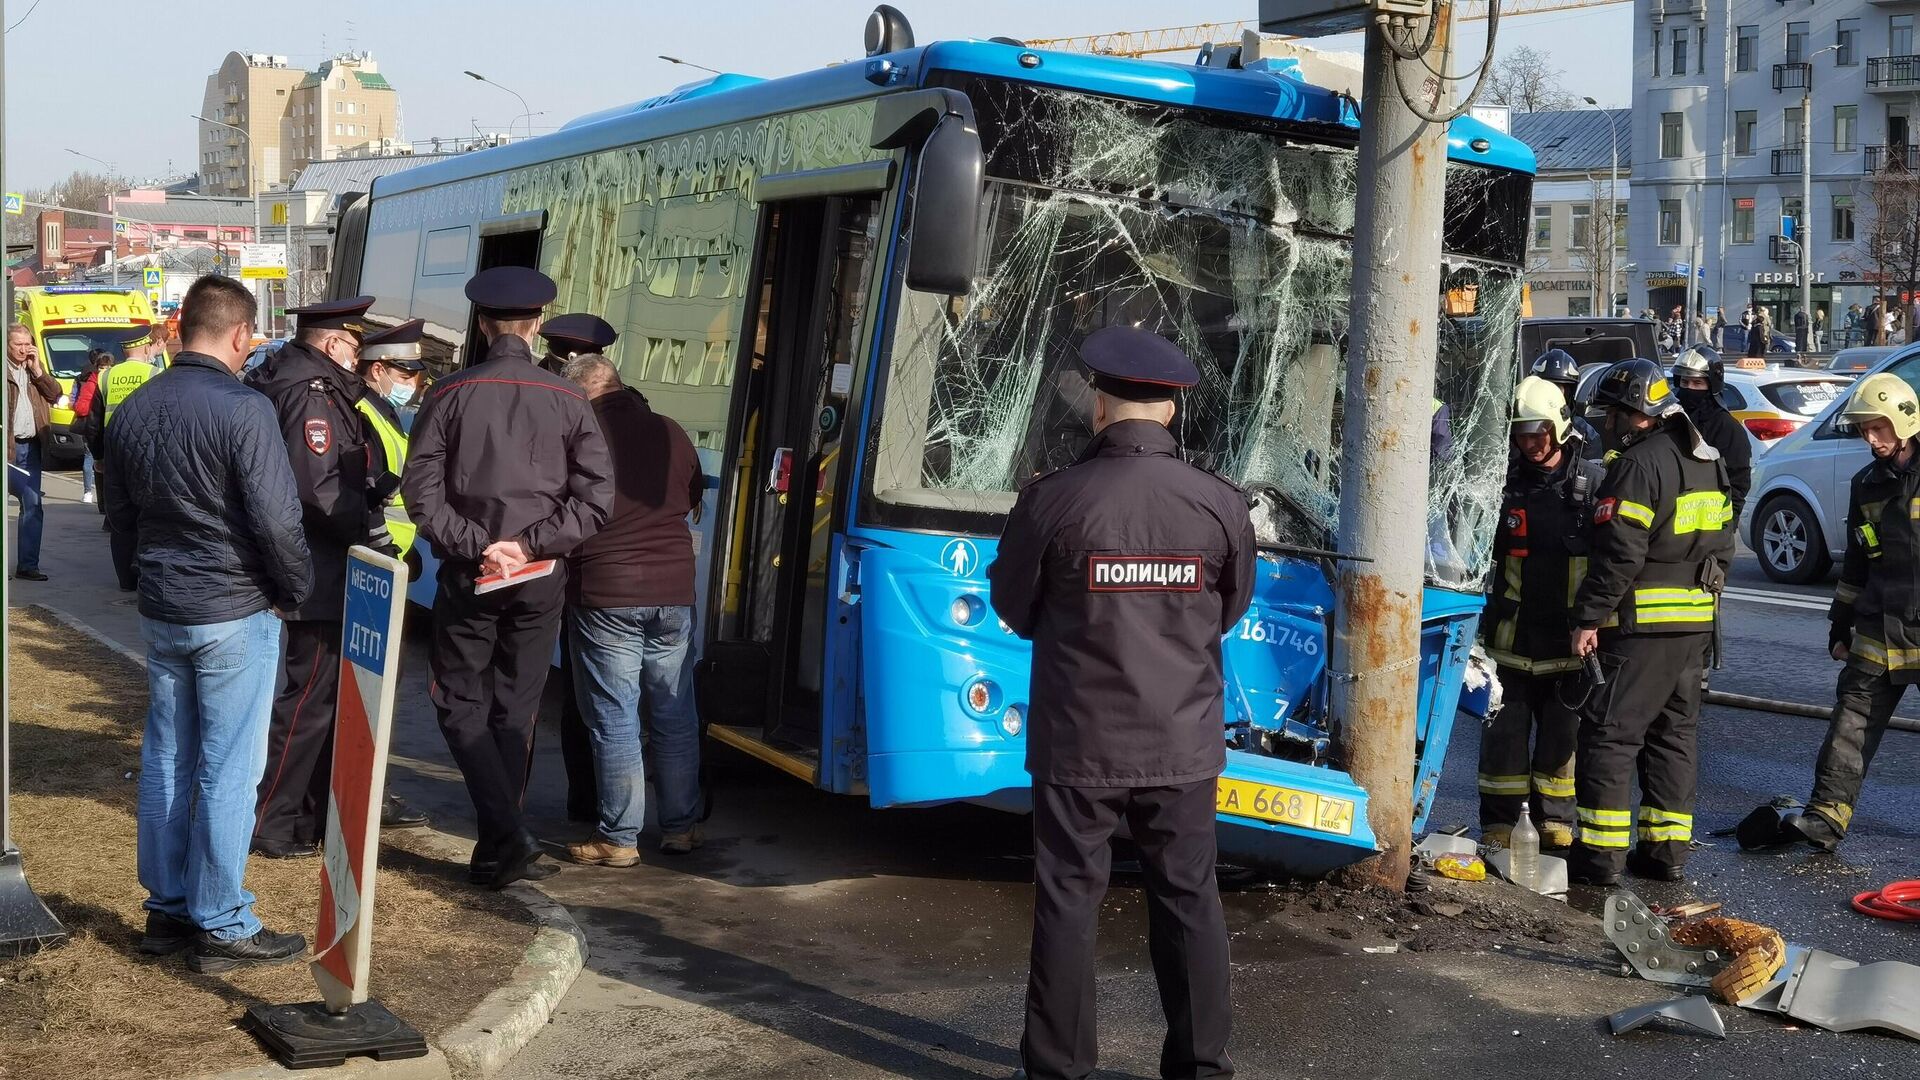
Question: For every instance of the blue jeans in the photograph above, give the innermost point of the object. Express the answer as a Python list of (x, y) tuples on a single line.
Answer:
[(86, 472), (211, 694), (23, 483), (619, 656)]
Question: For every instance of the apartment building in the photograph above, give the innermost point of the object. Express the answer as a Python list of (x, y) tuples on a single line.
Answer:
[(1726, 95), (265, 120)]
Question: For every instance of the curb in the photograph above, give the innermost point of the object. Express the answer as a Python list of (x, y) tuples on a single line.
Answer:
[(504, 1021)]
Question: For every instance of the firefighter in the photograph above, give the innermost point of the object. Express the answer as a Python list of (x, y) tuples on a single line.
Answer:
[(1662, 539), (1698, 376), (1558, 367), (1873, 628), (1541, 549)]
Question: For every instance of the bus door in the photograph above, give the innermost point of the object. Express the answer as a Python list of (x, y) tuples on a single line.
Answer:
[(791, 467), (511, 241)]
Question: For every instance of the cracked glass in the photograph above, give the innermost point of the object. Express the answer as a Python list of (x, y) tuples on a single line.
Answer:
[(1231, 241)]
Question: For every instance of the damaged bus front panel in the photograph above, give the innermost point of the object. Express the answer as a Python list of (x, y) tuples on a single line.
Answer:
[(1214, 207)]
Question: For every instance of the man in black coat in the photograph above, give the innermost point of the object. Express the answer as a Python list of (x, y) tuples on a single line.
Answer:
[(506, 473), (1698, 377), (1124, 569)]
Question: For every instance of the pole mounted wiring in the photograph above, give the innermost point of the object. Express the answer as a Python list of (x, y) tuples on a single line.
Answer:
[(1399, 32)]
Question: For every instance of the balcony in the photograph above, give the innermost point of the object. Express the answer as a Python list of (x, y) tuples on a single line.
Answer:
[(1893, 74), (1793, 76), (1893, 157), (1786, 162)]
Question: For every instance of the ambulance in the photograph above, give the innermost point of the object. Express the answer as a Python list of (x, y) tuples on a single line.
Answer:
[(68, 323)]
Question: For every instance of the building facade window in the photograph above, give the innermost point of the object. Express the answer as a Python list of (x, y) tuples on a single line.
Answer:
[(1790, 208), (1582, 228), (1796, 43), (1542, 228), (1620, 226), (1670, 135), (1746, 43), (1679, 50), (1791, 124), (1744, 122), (1742, 221), (1846, 34), (1579, 307), (1900, 35), (1846, 125), (1669, 221), (1843, 219)]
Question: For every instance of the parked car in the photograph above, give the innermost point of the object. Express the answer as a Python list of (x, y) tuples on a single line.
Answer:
[(260, 353), (1795, 518), (1860, 358), (1733, 342)]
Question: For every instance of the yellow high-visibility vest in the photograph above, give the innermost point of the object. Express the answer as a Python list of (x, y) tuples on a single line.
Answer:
[(393, 442), (120, 381)]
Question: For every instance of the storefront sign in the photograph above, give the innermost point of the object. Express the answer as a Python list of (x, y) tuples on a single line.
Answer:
[(1785, 277)]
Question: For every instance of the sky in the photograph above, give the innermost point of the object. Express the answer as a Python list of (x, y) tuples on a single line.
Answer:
[(566, 57)]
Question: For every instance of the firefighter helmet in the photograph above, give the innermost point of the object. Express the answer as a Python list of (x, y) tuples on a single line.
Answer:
[(1701, 361), (1539, 406), (1557, 366), (1885, 396), (1637, 385)]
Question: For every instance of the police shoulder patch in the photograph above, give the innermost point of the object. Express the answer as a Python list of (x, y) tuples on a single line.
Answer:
[(319, 436), (1603, 512)]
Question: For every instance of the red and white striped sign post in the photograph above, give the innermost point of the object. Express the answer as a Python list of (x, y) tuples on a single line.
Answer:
[(344, 1022)]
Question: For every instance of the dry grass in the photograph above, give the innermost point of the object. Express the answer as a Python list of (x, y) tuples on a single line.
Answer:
[(96, 1007)]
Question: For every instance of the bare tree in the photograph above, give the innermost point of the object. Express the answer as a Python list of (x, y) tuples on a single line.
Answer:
[(1892, 247), (1526, 81), (81, 189), (1595, 252)]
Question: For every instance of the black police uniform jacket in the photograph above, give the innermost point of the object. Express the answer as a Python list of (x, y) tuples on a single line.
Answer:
[(1876, 605), (506, 451), (327, 442), (1663, 532), (1725, 434), (1124, 570), (1540, 557)]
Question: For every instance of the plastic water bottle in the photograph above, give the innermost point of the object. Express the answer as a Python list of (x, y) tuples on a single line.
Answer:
[(1525, 851)]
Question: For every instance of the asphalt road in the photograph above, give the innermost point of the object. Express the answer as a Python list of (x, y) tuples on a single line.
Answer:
[(814, 937)]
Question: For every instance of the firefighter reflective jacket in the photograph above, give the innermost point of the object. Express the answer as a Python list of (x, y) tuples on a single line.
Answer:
[(1540, 556), (1662, 536), (1876, 606)]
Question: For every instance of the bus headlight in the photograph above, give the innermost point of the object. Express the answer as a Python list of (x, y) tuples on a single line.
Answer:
[(1012, 721), (968, 609)]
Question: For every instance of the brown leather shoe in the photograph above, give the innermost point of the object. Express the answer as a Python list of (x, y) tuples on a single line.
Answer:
[(599, 852)]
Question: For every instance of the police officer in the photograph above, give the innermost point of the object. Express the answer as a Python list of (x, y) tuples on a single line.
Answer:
[(1558, 367), (117, 384), (1124, 569), (391, 372), (568, 336), (1698, 376), (313, 388), (506, 468), (1662, 540), (1541, 552), (1873, 625)]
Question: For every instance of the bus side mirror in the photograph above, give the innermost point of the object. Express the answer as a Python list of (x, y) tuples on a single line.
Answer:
[(943, 249)]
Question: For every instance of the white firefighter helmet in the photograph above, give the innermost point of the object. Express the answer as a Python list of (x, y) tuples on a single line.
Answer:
[(1540, 406), (1885, 396)]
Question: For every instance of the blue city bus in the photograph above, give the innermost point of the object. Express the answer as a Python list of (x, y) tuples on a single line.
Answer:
[(860, 290)]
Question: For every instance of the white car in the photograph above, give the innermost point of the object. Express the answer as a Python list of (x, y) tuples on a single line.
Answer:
[(1795, 517), (1774, 402)]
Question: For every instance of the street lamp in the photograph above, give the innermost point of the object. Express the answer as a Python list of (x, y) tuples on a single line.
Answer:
[(1613, 199), (525, 112), (247, 135), (688, 63), (1805, 235), (113, 230)]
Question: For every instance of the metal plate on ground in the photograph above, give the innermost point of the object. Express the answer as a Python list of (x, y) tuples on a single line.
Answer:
[(1641, 937), (1695, 1012), (1837, 994)]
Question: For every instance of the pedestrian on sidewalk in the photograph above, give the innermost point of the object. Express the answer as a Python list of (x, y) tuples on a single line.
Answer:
[(568, 336), (1760, 334), (31, 393), (630, 624), (1125, 569), (315, 389), (1541, 547), (197, 471), (87, 425), (506, 469), (1874, 632)]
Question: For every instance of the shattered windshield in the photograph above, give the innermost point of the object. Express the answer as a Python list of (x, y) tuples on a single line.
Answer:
[(1229, 242)]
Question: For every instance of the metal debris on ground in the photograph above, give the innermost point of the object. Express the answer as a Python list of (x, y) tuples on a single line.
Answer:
[(1641, 936), (1757, 954), (1694, 1012)]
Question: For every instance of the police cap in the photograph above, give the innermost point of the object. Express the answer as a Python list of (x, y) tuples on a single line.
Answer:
[(133, 337), (348, 315), (396, 346), (511, 292), (1130, 363), (578, 333)]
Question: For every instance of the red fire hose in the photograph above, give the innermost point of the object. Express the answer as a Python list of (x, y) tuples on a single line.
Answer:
[(1899, 901)]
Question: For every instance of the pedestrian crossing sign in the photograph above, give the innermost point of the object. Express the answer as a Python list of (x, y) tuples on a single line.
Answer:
[(154, 277)]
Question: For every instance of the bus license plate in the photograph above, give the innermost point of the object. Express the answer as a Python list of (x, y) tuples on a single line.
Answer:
[(1287, 806)]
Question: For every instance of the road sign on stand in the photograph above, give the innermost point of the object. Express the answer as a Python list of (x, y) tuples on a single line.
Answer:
[(345, 1023)]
